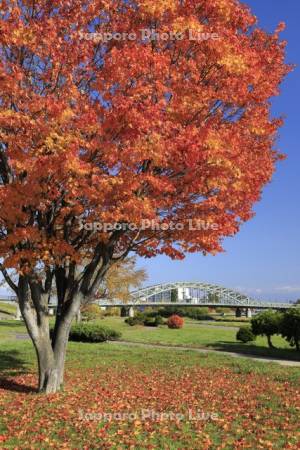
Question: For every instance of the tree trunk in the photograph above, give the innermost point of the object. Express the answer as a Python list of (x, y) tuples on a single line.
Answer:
[(50, 353), (60, 350), (51, 361), (48, 371), (33, 301), (78, 316), (270, 342)]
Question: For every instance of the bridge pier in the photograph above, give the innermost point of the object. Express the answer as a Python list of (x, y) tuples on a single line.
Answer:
[(131, 312), (127, 311), (124, 311), (249, 313)]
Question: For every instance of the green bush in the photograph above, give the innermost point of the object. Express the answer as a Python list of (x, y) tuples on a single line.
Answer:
[(159, 320), (112, 311), (169, 311), (136, 320), (153, 321), (193, 312), (89, 332), (150, 322), (245, 335)]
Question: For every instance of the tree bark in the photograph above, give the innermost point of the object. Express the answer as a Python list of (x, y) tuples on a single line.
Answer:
[(71, 291), (51, 353), (48, 371), (270, 344), (78, 316)]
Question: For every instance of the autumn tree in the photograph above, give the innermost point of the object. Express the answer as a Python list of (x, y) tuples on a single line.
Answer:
[(121, 278), (97, 130)]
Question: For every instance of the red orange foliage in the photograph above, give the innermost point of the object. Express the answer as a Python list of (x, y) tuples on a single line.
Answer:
[(175, 321), (129, 131), (254, 411)]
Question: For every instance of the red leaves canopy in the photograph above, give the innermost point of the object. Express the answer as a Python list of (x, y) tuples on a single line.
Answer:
[(169, 130)]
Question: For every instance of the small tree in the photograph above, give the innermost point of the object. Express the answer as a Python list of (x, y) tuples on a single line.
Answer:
[(266, 324), (290, 327), (245, 334), (120, 279), (91, 312)]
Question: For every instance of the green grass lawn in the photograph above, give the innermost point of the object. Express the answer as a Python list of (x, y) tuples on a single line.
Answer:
[(196, 334)]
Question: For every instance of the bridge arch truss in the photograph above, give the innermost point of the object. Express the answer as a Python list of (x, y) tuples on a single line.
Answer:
[(156, 295)]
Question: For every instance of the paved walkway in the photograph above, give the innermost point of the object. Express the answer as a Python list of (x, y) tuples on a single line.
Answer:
[(282, 362)]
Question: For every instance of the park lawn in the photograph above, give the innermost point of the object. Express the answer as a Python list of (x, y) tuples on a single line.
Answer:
[(196, 334), (255, 405), (193, 334)]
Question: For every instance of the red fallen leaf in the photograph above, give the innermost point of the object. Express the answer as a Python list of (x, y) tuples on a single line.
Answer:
[(3, 438)]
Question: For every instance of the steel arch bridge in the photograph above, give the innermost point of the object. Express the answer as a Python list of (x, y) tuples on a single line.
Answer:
[(156, 295)]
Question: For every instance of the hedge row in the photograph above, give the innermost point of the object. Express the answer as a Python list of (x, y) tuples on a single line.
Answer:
[(90, 332)]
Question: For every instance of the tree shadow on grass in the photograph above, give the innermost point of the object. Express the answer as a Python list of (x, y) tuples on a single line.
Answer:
[(264, 352), (11, 324), (11, 365)]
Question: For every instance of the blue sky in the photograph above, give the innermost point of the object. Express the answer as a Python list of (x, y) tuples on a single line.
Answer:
[(263, 260)]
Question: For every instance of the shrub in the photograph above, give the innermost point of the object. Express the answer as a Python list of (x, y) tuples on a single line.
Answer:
[(175, 322), (136, 320), (91, 312), (87, 332), (245, 335), (150, 322), (159, 320), (113, 311), (153, 321), (193, 312), (169, 311)]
